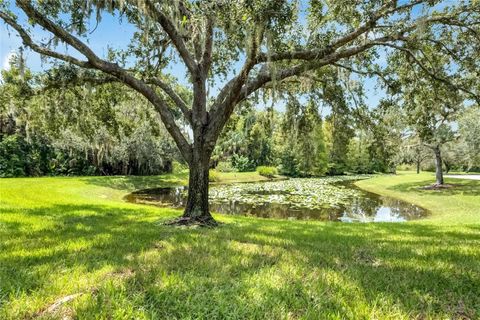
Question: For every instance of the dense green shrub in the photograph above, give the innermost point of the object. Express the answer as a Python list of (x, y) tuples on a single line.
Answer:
[(288, 163), (266, 171), (20, 158), (242, 163), (12, 157)]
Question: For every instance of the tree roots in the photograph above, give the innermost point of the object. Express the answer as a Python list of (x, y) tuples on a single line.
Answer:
[(202, 221)]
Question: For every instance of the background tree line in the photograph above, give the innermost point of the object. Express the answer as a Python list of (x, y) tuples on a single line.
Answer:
[(50, 127)]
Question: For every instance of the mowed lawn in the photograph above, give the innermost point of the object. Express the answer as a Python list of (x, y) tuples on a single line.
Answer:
[(72, 248)]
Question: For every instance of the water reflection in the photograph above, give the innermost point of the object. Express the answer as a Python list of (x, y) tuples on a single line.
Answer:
[(382, 209), (365, 207)]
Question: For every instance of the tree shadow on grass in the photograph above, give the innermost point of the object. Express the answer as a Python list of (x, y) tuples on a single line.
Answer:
[(424, 273), (251, 268), (90, 236)]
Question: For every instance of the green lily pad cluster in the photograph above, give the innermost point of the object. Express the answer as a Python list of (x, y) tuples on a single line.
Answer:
[(301, 193)]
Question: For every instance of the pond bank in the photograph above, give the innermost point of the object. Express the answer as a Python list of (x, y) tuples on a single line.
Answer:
[(458, 205)]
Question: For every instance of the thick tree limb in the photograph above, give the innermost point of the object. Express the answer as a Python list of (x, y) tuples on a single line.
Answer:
[(318, 53), (208, 47), (312, 54), (174, 35), (321, 57), (174, 96), (58, 31), (264, 77), (27, 40), (229, 95)]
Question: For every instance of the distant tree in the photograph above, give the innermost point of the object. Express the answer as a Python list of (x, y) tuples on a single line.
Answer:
[(77, 129), (247, 139), (432, 111), (303, 151), (340, 128), (358, 157), (469, 130), (379, 133), (431, 106), (432, 81), (320, 155), (417, 153)]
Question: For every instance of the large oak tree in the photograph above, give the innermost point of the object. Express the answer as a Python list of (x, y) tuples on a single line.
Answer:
[(236, 46)]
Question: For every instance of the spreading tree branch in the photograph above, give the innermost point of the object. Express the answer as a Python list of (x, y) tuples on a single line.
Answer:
[(208, 47), (174, 96), (174, 35), (228, 97), (432, 74), (318, 53), (27, 41)]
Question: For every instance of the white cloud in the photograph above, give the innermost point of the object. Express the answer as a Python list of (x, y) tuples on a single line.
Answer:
[(6, 60)]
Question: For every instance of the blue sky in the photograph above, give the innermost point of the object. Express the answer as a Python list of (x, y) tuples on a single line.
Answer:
[(111, 33), (108, 33)]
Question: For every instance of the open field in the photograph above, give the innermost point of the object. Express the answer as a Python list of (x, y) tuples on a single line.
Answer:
[(74, 238)]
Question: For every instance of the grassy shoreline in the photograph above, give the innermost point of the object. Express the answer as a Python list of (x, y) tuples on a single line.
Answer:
[(458, 205), (76, 236)]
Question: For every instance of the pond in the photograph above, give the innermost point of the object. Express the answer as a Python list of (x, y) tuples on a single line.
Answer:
[(330, 198)]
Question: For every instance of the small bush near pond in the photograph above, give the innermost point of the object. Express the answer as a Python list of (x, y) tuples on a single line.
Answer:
[(243, 164), (268, 172)]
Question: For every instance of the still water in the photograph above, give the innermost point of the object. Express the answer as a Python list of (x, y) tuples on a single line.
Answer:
[(358, 205)]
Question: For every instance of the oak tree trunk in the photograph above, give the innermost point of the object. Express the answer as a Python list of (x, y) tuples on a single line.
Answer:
[(418, 166), (438, 165), (197, 208)]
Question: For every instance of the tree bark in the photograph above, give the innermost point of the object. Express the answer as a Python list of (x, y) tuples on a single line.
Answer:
[(418, 166), (197, 209), (438, 165)]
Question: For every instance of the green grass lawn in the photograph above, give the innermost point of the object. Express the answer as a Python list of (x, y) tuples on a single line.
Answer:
[(462, 172), (74, 238)]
